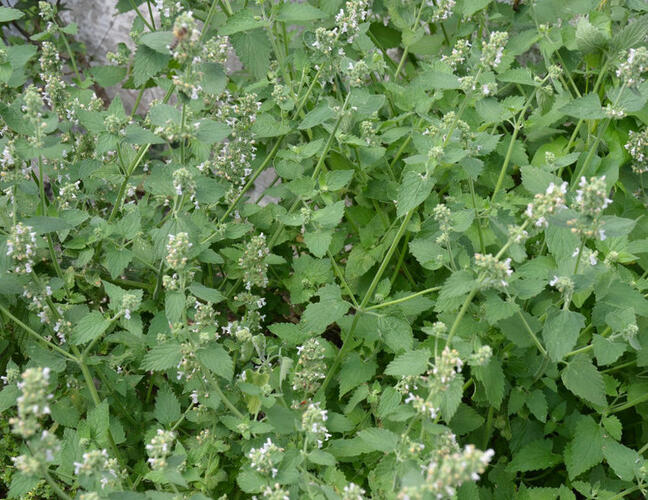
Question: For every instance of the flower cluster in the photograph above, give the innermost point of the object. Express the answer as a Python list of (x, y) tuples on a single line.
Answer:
[(442, 215), (159, 448), (253, 262), (493, 50), (637, 147), (33, 403), (458, 54), (311, 368), (441, 9), (99, 464), (21, 247), (353, 492), (631, 70), (276, 492), (349, 18), (178, 248), (313, 424), (233, 158), (495, 272), (481, 357), (446, 368), (546, 204), (590, 201), (422, 406), (266, 459), (446, 472)]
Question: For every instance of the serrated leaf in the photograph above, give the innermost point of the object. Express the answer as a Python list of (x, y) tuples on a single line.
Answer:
[(587, 107), (242, 20), (328, 310), (584, 451), (162, 357), (318, 241), (217, 360), (583, 379), (316, 117), (299, 12), (396, 333), (623, 460), (8, 14), (174, 304), (537, 404), (560, 332), (329, 216), (492, 378), (355, 371), (207, 294), (147, 63), (409, 363), (536, 455), (159, 41), (413, 191), (613, 426), (253, 49), (379, 439), (90, 327), (167, 407)]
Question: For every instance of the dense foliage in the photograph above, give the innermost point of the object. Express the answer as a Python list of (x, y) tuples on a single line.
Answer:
[(442, 293)]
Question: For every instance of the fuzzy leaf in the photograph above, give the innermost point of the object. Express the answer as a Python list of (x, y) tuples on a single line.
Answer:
[(583, 379), (409, 363)]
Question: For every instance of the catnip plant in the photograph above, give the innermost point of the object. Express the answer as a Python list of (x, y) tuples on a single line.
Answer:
[(441, 291)]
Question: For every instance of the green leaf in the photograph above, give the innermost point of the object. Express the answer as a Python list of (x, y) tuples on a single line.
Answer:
[(328, 310), (586, 449), (7, 14), (320, 457), (299, 12), (412, 192), (159, 41), (167, 407), (290, 334), (210, 132), (355, 371), (174, 304), (560, 332), (316, 117), (147, 64), (409, 363), (116, 261), (90, 327), (42, 224), (379, 439), (535, 180), (613, 426), (536, 455), (583, 379), (107, 76), (217, 360), (492, 378), (253, 49), (139, 135), (396, 333), (242, 20), (537, 404), (162, 357), (207, 294), (624, 461), (607, 351), (472, 6), (267, 125), (587, 107), (329, 216), (428, 253)]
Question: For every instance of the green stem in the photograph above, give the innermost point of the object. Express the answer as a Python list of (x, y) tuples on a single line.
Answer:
[(578, 259), (482, 246), (533, 335), (57, 489), (71, 56), (365, 300), (406, 50), (403, 299), (629, 404), (31, 332), (340, 276)]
